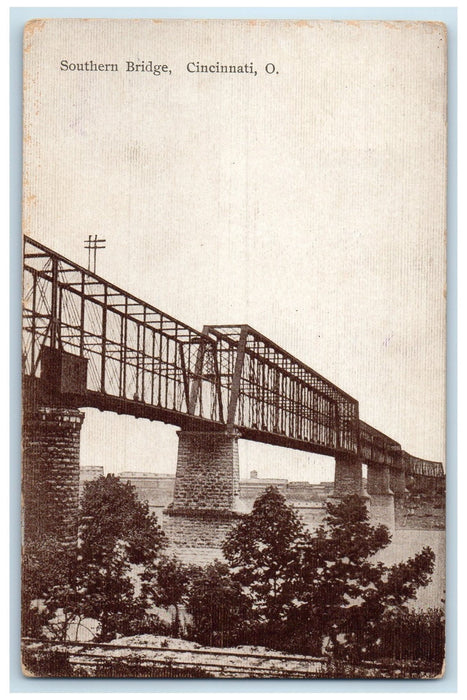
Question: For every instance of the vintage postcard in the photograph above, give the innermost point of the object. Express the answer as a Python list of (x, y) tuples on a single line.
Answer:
[(234, 349)]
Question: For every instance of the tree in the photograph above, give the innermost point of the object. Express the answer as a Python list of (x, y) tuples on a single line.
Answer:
[(168, 585), (345, 594), (48, 567), (320, 590), (220, 610), (117, 534), (263, 553), (111, 512), (119, 540)]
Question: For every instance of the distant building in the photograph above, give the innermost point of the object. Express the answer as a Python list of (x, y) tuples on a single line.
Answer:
[(415, 512), (158, 489)]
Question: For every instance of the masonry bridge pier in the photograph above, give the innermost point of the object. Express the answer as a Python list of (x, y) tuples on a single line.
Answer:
[(88, 343)]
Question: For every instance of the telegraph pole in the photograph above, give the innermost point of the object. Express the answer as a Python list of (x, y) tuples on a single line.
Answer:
[(92, 244)]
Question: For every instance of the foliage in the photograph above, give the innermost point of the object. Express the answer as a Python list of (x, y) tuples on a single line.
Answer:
[(345, 593), (111, 514), (167, 585), (281, 587), (117, 532), (219, 608), (48, 571), (262, 551), (117, 536), (46, 663), (147, 623), (411, 634), (322, 592)]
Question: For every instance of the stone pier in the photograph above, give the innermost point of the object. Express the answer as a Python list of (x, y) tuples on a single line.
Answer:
[(398, 482), (50, 473), (348, 476), (206, 493), (381, 496), (207, 476)]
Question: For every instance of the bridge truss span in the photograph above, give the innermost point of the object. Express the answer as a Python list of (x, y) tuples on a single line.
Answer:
[(377, 448), (133, 351), (89, 343), (273, 397), (414, 466)]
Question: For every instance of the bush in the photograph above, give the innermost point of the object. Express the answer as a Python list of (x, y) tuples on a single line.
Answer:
[(219, 609), (411, 635), (46, 663), (147, 624)]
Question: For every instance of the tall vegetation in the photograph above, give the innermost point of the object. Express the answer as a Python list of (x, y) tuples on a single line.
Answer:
[(321, 592), (280, 585), (118, 538), (221, 612)]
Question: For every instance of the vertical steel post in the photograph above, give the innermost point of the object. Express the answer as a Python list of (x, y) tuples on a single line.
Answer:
[(137, 360), (153, 365), (236, 379), (33, 322), (104, 336), (53, 312), (124, 346), (159, 388), (218, 385), (144, 354), (82, 311), (196, 386), (186, 384)]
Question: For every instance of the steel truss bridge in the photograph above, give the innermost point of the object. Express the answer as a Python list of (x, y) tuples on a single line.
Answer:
[(88, 343)]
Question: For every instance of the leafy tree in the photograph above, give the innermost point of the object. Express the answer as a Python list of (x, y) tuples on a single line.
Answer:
[(336, 571), (323, 590), (262, 551), (345, 593), (48, 566), (118, 540), (168, 585), (117, 533), (111, 512), (220, 610)]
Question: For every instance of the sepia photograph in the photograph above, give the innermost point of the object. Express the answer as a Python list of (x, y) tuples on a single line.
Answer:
[(234, 349)]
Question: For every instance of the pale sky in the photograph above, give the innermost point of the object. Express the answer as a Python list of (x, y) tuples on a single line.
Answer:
[(309, 203)]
